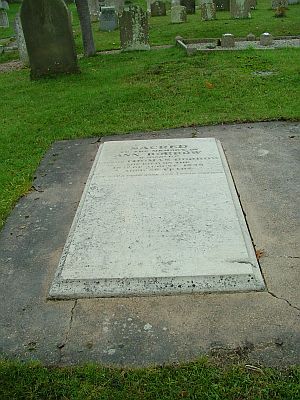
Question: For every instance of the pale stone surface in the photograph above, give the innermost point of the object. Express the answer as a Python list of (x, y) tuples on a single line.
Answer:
[(240, 9), (108, 19), (227, 40), (178, 14), (4, 22), (158, 216), (208, 10), (134, 29), (266, 39), (23, 54), (4, 4)]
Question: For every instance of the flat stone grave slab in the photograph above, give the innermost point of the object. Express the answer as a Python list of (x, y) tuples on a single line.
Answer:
[(158, 217)]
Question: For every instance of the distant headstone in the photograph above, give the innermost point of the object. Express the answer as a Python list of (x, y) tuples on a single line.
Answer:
[(49, 38), (227, 40), (279, 4), (108, 19), (4, 22), (189, 5), (4, 5), (134, 30), (266, 39), (240, 9), (178, 14), (251, 37), (222, 5), (94, 10), (158, 9), (208, 10), (21, 40), (118, 4)]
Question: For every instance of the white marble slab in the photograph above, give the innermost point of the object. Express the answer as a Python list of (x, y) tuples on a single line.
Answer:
[(158, 217)]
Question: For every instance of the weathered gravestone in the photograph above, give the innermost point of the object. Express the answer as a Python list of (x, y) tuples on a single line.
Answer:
[(94, 9), (240, 9), (158, 9), (279, 4), (227, 40), (266, 39), (4, 5), (208, 10), (222, 5), (134, 29), (23, 54), (118, 4), (158, 217), (178, 14), (108, 19), (4, 22), (49, 38), (189, 5)]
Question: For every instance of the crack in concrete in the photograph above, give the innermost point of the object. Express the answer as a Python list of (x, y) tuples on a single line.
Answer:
[(282, 298), (64, 343)]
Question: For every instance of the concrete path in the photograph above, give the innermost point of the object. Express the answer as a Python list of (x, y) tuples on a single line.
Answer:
[(258, 327)]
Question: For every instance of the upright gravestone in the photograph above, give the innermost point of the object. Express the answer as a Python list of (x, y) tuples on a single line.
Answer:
[(158, 9), (189, 5), (208, 10), (94, 9), (108, 19), (4, 22), (222, 5), (49, 38), (23, 54), (134, 30), (178, 14), (240, 9)]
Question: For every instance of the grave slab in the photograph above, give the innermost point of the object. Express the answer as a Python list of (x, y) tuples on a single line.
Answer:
[(158, 217)]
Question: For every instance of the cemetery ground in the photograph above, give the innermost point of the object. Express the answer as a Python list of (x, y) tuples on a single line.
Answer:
[(146, 92)]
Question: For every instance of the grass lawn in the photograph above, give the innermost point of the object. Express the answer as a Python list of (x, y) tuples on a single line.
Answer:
[(199, 380)]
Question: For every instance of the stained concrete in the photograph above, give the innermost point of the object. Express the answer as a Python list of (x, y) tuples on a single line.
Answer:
[(260, 327)]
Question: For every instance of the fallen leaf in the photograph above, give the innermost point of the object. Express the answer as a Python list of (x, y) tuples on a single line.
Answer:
[(209, 85), (259, 253)]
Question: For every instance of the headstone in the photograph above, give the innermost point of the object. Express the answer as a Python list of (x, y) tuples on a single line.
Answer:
[(49, 38), (134, 30), (189, 5), (158, 9), (266, 39), (240, 9), (279, 4), (178, 14), (222, 5), (227, 40), (4, 5), (94, 10), (4, 22), (251, 37), (23, 54), (207, 10), (118, 4), (158, 217), (108, 19)]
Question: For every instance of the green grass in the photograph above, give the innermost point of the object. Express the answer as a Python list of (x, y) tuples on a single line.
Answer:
[(137, 91), (198, 380)]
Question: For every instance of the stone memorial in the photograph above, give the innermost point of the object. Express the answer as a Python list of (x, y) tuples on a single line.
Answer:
[(4, 5), (189, 5), (158, 217), (251, 37), (222, 5), (207, 10), (118, 4), (4, 22), (279, 4), (108, 19), (240, 9), (227, 40), (134, 29), (266, 39), (23, 54), (178, 14), (158, 9), (94, 9), (49, 37)]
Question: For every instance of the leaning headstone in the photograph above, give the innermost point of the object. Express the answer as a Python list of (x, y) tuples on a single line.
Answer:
[(240, 9), (134, 30), (266, 39), (227, 40), (189, 5), (23, 54), (4, 22), (108, 19), (178, 14), (94, 10), (208, 10), (279, 4), (222, 5), (118, 4), (158, 9), (49, 38)]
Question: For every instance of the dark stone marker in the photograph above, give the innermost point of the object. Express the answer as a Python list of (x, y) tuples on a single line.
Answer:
[(134, 30), (189, 5), (49, 38), (158, 9), (222, 5)]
